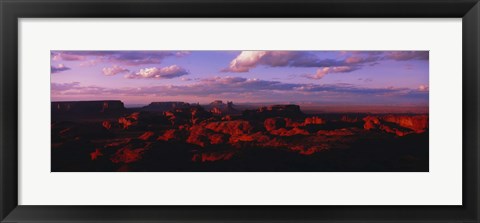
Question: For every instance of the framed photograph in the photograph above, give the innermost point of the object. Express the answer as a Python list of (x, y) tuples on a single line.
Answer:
[(261, 111)]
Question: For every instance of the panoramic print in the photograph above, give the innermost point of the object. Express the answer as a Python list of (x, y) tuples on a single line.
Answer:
[(239, 111)]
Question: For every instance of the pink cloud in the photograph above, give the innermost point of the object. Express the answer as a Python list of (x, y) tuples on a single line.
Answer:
[(158, 73), (423, 87), (110, 71), (58, 68), (321, 72), (247, 60), (67, 57)]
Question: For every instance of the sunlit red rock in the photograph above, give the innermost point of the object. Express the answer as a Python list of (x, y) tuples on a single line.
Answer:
[(107, 125), (213, 156), (289, 132), (217, 139), (418, 123), (289, 123), (314, 121), (371, 122), (127, 155), (349, 119), (198, 136), (216, 111), (117, 142), (274, 123), (336, 132), (230, 127), (257, 137), (146, 135), (400, 125), (96, 154), (306, 150), (168, 135)]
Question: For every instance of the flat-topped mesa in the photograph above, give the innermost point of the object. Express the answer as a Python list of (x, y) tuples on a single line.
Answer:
[(88, 107), (165, 106), (290, 111)]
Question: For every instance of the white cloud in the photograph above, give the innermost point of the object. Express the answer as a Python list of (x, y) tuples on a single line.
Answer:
[(110, 71), (158, 73)]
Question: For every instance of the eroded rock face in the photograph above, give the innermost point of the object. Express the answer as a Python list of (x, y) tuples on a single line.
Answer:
[(371, 122), (198, 136), (274, 123), (230, 127), (399, 125), (418, 123), (314, 121)]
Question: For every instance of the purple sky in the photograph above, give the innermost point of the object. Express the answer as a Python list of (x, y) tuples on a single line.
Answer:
[(363, 78)]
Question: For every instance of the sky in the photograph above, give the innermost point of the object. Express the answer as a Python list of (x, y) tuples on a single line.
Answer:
[(343, 78)]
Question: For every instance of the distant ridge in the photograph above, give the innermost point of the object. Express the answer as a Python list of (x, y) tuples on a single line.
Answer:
[(86, 107)]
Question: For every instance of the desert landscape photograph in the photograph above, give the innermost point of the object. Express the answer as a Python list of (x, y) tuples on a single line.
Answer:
[(239, 111)]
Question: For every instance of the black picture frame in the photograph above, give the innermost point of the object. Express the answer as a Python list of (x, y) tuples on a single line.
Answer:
[(12, 10)]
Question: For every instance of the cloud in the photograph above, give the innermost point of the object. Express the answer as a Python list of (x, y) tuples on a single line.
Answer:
[(407, 55), (158, 73), (349, 60), (423, 87), (128, 58), (238, 86), (321, 72), (58, 68), (110, 71), (66, 57), (63, 86), (247, 60)]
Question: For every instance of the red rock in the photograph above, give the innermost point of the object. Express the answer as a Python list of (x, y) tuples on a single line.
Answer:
[(290, 123), (258, 137), (400, 125), (168, 135), (118, 142), (217, 139), (126, 155), (418, 123), (146, 135), (346, 118), (309, 150), (227, 118), (209, 157), (216, 111), (134, 116), (336, 132), (274, 123), (371, 122), (230, 127), (291, 132), (314, 121), (96, 154), (198, 136), (107, 125), (125, 122)]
